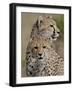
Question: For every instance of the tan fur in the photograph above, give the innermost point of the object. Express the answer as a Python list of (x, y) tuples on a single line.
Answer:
[(45, 27), (48, 64)]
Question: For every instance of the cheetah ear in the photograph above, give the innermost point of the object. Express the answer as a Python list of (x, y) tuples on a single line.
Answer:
[(40, 20), (49, 17), (31, 39)]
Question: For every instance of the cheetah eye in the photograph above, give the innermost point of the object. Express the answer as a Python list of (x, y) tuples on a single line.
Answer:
[(36, 47), (44, 46), (51, 25)]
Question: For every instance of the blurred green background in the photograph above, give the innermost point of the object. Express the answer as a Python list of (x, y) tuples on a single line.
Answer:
[(60, 23), (27, 21)]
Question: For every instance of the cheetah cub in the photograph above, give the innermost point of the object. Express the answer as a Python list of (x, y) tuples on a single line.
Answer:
[(42, 60), (45, 27)]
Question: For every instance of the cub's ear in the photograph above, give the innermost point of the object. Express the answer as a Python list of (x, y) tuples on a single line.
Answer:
[(31, 39), (39, 21), (49, 17)]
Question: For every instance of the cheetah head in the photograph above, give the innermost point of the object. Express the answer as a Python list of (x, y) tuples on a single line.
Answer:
[(47, 27), (39, 47)]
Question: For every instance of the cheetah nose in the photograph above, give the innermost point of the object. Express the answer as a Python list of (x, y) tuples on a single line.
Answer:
[(40, 54)]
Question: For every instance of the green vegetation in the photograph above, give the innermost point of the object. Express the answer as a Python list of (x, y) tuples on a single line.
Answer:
[(23, 62)]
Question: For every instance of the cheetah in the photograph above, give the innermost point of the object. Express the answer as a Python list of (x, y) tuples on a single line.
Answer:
[(42, 60), (45, 26)]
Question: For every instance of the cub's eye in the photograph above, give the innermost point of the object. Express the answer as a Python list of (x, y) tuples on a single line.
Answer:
[(51, 25), (44, 46), (36, 47)]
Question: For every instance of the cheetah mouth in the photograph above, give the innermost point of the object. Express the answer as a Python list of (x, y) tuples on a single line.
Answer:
[(40, 58), (54, 37)]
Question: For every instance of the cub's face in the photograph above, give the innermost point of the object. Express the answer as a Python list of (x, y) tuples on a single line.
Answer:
[(39, 47), (48, 28)]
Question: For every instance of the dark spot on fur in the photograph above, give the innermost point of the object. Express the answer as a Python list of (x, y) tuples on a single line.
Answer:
[(51, 68), (29, 56), (48, 74), (31, 66), (37, 65), (44, 68), (30, 72), (61, 60), (28, 52), (59, 57)]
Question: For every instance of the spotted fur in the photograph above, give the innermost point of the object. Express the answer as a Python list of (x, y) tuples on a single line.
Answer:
[(42, 60), (45, 27)]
